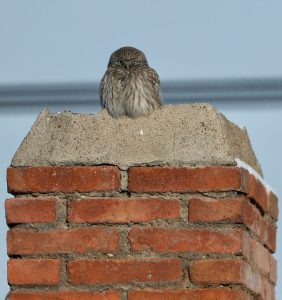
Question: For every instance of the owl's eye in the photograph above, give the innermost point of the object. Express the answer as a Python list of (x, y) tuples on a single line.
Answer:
[(136, 62), (118, 62)]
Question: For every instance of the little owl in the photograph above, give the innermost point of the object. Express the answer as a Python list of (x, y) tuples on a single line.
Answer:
[(130, 87)]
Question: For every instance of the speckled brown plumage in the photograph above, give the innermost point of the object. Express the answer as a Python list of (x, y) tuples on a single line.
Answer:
[(130, 87)]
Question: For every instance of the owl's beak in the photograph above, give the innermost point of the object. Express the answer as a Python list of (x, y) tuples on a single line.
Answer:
[(127, 64)]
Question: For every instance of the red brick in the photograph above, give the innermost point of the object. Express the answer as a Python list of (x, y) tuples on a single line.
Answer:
[(261, 259), (65, 295), (184, 240), (34, 271), (79, 240), (111, 271), (213, 210), (122, 210), (267, 290), (251, 278), (268, 234), (252, 217), (170, 179), (225, 271), (259, 225), (216, 271), (258, 192), (63, 179), (24, 210), (185, 294), (260, 256), (272, 205), (273, 269), (233, 210)]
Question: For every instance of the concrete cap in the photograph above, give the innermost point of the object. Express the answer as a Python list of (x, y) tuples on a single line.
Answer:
[(176, 135)]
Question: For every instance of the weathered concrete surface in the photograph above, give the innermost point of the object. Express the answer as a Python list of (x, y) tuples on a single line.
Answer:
[(186, 134)]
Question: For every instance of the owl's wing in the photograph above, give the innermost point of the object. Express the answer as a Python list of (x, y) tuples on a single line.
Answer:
[(155, 79), (101, 90), (110, 86)]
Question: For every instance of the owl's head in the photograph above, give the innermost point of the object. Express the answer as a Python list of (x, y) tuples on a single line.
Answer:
[(128, 58)]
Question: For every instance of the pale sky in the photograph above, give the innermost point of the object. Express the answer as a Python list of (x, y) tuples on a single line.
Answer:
[(71, 40)]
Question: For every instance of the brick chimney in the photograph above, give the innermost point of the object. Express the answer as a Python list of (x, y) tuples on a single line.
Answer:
[(171, 206)]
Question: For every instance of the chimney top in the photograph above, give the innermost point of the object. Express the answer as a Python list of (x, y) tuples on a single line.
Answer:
[(176, 135)]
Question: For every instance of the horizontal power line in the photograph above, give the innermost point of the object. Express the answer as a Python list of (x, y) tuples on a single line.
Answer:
[(68, 95)]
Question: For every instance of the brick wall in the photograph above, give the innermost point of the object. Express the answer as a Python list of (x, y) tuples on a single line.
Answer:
[(153, 233)]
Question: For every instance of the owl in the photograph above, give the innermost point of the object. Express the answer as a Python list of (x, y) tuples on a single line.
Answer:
[(129, 86)]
